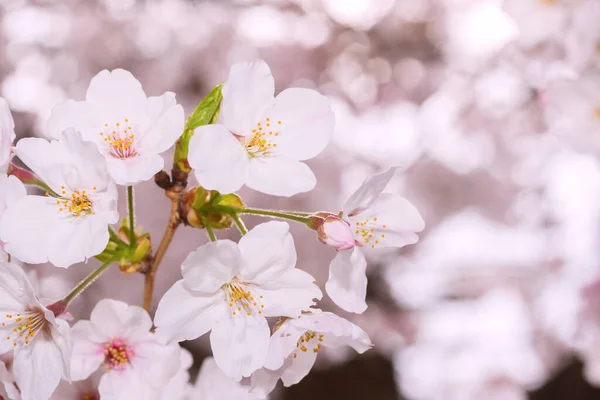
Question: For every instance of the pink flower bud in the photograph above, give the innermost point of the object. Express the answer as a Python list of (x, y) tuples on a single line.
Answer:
[(337, 233)]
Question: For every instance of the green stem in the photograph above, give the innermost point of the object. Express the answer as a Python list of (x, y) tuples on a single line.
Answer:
[(131, 216), (209, 230), (276, 214), (87, 282), (240, 224)]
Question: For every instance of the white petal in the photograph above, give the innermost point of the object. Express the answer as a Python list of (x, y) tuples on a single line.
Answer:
[(11, 190), (156, 363), (240, 344), (347, 283), (179, 386), (7, 132), (117, 90), (367, 192), (280, 176), (248, 91), (306, 123), (38, 368), (213, 384), (131, 171), (288, 294), (60, 332), (16, 290), (211, 266), (183, 315), (69, 161), (88, 351), (166, 119), (283, 343), (126, 385), (298, 368), (219, 160), (267, 250), (79, 115), (112, 318), (44, 159), (35, 232), (337, 330), (397, 222), (263, 382)]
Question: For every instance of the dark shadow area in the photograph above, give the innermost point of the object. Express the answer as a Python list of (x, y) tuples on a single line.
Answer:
[(369, 376), (568, 384)]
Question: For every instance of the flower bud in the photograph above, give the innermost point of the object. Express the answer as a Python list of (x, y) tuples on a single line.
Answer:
[(140, 258), (336, 232), (201, 206), (193, 201)]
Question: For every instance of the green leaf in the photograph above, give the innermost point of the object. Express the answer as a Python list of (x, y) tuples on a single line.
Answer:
[(230, 200), (205, 113)]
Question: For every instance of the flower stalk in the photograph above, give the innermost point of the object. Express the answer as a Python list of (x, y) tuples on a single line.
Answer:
[(131, 211), (292, 216), (240, 224), (85, 283)]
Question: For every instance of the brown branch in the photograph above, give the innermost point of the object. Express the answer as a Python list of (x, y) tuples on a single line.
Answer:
[(175, 193)]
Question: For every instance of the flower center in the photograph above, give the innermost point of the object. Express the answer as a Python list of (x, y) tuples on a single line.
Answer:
[(240, 299), (309, 340), (548, 2), (22, 328), (90, 396), (120, 139), (365, 230), (597, 112), (263, 139), (117, 354), (78, 204)]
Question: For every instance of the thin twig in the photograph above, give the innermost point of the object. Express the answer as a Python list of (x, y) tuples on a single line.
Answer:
[(174, 222)]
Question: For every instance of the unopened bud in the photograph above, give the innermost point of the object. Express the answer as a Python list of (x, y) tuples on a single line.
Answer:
[(209, 207), (336, 232), (140, 259)]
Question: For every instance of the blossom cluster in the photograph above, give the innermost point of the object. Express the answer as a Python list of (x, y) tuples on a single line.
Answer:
[(260, 309)]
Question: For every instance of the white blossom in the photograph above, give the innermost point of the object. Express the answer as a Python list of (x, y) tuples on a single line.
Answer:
[(296, 342), (371, 219), (230, 288), (130, 129), (40, 341), (261, 140), (70, 224), (117, 338)]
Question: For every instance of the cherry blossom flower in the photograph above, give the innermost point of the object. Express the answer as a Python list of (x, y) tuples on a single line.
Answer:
[(7, 133), (70, 224), (371, 219), (11, 190), (262, 139), (117, 338), (230, 288), (130, 129), (41, 342), (296, 343), (213, 384)]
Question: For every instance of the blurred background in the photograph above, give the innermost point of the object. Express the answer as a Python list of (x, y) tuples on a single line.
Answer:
[(491, 107)]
